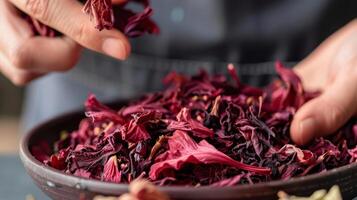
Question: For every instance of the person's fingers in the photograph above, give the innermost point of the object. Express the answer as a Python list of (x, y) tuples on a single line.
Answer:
[(17, 76), (307, 74), (36, 54), (324, 56), (325, 114), (14, 31), (66, 16), (42, 54)]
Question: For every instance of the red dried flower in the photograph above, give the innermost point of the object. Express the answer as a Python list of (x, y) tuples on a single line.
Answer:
[(111, 172), (100, 112), (183, 150), (135, 130), (185, 122)]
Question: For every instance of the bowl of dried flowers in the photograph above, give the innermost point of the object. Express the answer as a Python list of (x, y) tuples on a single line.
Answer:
[(203, 137)]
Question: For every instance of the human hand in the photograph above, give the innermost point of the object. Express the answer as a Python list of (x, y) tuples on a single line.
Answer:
[(24, 57), (332, 69)]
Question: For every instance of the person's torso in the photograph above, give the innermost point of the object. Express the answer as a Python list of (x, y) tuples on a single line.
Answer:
[(243, 31), (209, 33)]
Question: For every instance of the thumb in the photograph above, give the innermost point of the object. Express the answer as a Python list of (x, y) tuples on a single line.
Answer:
[(325, 114)]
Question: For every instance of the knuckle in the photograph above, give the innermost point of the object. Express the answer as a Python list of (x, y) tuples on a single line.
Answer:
[(38, 9), (19, 80), (85, 35), (18, 58), (336, 116), (82, 33)]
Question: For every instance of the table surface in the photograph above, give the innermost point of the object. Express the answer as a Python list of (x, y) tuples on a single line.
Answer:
[(15, 184)]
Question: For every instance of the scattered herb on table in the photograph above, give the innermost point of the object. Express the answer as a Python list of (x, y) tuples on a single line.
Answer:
[(200, 130)]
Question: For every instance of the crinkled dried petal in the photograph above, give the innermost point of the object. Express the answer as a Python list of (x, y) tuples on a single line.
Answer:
[(186, 123), (111, 172), (101, 11), (183, 150)]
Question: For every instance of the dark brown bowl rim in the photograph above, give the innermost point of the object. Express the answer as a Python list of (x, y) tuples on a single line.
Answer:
[(55, 176)]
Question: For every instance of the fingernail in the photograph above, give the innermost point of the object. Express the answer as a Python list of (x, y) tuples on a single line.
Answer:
[(306, 130), (115, 48)]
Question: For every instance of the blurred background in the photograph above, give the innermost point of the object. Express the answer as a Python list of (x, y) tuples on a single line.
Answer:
[(12, 172), (10, 110)]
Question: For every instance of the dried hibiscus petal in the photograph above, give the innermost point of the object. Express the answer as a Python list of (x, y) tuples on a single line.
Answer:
[(102, 13), (135, 130), (134, 25), (229, 181), (290, 93), (111, 172), (303, 156), (58, 160), (100, 112), (186, 123), (182, 150)]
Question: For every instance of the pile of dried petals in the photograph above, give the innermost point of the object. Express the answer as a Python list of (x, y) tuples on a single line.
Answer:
[(200, 130)]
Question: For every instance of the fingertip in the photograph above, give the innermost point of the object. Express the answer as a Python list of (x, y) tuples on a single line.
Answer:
[(126, 45), (302, 131), (295, 133), (116, 47), (109, 42)]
